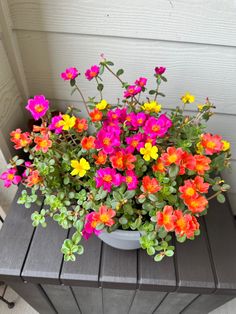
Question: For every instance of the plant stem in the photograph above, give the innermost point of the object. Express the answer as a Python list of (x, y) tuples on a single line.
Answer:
[(157, 89), (78, 89), (100, 92), (214, 195)]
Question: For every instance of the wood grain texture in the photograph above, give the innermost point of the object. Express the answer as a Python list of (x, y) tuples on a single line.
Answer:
[(199, 21), (194, 255), (117, 301), (156, 276), (203, 70), (17, 239), (206, 303), (62, 298), (174, 303), (89, 299), (145, 302), (85, 270), (221, 231), (44, 258), (123, 273)]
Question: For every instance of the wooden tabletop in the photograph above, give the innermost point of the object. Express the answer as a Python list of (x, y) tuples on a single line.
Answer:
[(204, 266)]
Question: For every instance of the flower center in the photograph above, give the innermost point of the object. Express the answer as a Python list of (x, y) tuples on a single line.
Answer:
[(10, 176), (107, 178), (39, 108), (181, 223), (129, 179), (190, 191), (43, 143), (134, 143), (69, 75), (172, 158), (106, 141), (166, 219), (104, 218), (211, 144), (155, 128)]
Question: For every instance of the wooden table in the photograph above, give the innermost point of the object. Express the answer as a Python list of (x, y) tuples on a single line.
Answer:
[(199, 278)]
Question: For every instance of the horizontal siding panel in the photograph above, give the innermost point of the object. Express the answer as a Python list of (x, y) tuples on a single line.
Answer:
[(208, 22), (203, 70)]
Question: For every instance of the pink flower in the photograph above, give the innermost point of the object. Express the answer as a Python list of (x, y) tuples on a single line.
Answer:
[(142, 81), (55, 125), (92, 72), (10, 178), (160, 70), (157, 127), (133, 142), (132, 90), (138, 119), (107, 141), (38, 106), (90, 226), (69, 74), (117, 115), (131, 180), (107, 178)]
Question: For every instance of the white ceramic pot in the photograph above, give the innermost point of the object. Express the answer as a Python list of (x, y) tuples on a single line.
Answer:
[(122, 239)]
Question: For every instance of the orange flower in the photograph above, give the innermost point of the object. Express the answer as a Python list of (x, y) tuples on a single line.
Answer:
[(20, 139), (166, 218), (200, 185), (150, 185), (187, 162), (95, 115), (121, 160), (88, 142), (81, 125), (185, 224), (105, 215), (101, 158), (196, 205), (159, 166), (34, 178), (188, 190), (43, 143), (202, 164), (211, 143), (42, 129), (172, 156)]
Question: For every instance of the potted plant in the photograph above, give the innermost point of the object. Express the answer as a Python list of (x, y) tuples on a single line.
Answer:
[(140, 177)]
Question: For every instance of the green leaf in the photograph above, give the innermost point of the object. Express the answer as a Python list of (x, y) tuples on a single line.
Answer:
[(163, 78), (169, 253), (220, 198), (151, 250), (19, 162), (101, 69), (109, 63), (129, 194), (158, 257), (123, 220), (119, 72), (100, 87), (80, 249), (76, 238), (72, 82), (173, 171), (152, 92)]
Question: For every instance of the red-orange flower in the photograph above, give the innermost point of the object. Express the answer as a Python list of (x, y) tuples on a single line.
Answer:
[(172, 156), (105, 215), (196, 205), (159, 166), (34, 178), (20, 139), (122, 160), (81, 125), (42, 129), (150, 185), (43, 143), (101, 158), (185, 224), (88, 142), (200, 185), (202, 164), (187, 162), (188, 190), (211, 143), (95, 115), (166, 218)]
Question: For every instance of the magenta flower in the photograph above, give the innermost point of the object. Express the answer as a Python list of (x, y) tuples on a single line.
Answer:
[(133, 142), (138, 119), (131, 180), (160, 70), (117, 115), (69, 74), (142, 81), (38, 106), (92, 72), (55, 124), (90, 226), (132, 90), (107, 178), (107, 141), (9, 177), (157, 127)]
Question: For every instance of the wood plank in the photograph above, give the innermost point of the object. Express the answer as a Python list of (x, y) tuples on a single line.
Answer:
[(34, 295), (44, 258), (156, 276), (167, 20), (89, 299), (222, 233), (118, 268), (193, 265), (206, 303), (15, 240), (62, 298), (85, 270), (145, 302), (205, 63), (174, 303), (117, 301)]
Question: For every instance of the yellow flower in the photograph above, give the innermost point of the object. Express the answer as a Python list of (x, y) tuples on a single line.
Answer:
[(199, 148), (102, 105), (187, 98), (226, 145), (149, 151), (200, 107), (80, 167), (152, 106), (67, 122)]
